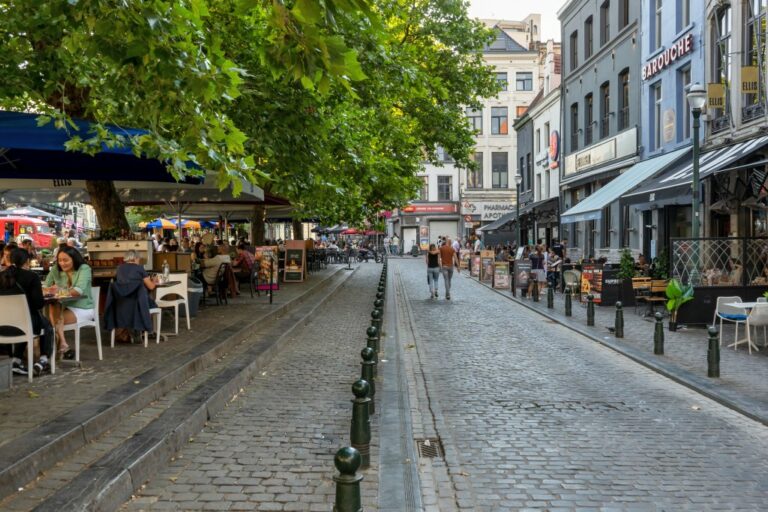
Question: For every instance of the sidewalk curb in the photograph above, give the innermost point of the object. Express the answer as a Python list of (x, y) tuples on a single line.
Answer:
[(704, 386), (111, 481), (41, 448)]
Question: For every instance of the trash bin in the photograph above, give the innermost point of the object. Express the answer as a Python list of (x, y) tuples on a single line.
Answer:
[(194, 294)]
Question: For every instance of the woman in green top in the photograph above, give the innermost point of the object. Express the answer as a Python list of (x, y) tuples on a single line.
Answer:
[(72, 275)]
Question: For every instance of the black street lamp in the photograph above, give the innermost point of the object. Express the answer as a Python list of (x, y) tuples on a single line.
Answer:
[(518, 181), (697, 97)]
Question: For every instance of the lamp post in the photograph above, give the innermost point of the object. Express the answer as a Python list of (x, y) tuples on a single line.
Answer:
[(697, 97), (518, 181)]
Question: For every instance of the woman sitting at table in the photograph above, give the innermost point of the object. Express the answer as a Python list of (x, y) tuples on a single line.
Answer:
[(127, 278), (216, 256), (73, 275), (17, 279)]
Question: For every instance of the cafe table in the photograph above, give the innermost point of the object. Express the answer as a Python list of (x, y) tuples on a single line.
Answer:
[(747, 307)]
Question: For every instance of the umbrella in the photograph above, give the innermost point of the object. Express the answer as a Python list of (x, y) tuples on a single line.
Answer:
[(185, 223), (350, 231), (158, 223), (30, 211), (208, 224)]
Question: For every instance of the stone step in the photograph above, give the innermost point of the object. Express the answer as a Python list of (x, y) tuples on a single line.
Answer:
[(68, 440)]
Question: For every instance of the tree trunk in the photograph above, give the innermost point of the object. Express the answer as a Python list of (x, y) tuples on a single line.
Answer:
[(258, 224), (109, 208), (298, 229)]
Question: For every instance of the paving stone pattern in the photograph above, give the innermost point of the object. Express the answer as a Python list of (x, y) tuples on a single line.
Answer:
[(535, 417), (273, 447), (29, 405)]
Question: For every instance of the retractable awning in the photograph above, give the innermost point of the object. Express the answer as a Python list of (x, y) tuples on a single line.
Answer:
[(677, 180), (500, 222), (591, 208)]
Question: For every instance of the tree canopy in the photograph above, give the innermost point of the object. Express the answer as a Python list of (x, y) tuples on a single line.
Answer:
[(333, 104)]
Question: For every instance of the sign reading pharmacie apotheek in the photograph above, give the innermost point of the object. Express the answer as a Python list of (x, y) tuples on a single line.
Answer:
[(677, 50), (488, 210)]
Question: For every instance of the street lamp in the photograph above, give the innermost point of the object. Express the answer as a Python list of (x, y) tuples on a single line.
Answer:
[(518, 181), (697, 97)]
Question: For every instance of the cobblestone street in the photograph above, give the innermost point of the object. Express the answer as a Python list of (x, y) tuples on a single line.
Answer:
[(534, 416)]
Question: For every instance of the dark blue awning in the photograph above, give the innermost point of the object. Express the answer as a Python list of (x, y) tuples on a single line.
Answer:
[(29, 151)]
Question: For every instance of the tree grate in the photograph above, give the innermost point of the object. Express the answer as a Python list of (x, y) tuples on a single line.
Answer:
[(430, 447)]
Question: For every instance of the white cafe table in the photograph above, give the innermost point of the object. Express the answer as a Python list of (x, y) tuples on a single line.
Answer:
[(747, 307)]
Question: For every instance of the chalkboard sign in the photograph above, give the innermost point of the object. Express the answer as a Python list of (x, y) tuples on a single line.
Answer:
[(501, 275), (592, 281), (522, 274), (294, 265), (486, 266), (609, 291)]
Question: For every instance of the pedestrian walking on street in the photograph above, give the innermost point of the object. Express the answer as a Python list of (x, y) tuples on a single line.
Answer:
[(433, 270), (448, 260)]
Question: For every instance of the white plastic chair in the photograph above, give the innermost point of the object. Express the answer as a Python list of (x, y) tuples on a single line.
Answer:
[(95, 291), (757, 317), (181, 290), (729, 314), (14, 312), (157, 319)]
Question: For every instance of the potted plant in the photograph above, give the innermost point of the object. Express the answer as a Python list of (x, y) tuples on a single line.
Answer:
[(677, 295), (625, 274)]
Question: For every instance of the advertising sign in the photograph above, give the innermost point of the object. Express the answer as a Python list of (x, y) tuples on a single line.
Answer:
[(592, 281), (486, 266), (501, 275), (294, 265), (464, 256), (554, 149), (424, 238), (475, 272), (522, 274), (715, 96), (749, 77), (487, 210), (266, 255)]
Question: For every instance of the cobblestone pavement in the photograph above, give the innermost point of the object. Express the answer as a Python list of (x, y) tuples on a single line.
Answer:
[(535, 417), (28, 405), (273, 447)]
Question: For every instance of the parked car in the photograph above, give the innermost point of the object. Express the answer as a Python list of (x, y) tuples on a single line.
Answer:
[(18, 228)]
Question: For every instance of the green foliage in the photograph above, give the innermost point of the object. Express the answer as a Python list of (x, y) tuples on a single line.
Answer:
[(661, 269), (677, 295), (138, 214), (626, 265)]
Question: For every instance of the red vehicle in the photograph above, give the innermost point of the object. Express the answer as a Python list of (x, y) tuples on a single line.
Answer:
[(18, 228)]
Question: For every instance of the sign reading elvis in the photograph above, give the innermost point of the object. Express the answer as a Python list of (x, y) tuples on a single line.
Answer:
[(679, 48)]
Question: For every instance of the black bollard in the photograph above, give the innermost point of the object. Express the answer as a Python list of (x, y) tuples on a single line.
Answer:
[(367, 374), (618, 324), (373, 339), (590, 310), (713, 354), (658, 335), (347, 462), (535, 291), (360, 432), (379, 304), (379, 295), (568, 302), (550, 297), (376, 319)]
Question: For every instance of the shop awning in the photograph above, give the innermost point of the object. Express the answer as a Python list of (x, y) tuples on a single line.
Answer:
[(500, 222), (677, 180), (591, 208)]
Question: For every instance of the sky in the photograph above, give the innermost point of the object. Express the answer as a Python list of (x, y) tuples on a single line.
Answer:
[(518, 10)]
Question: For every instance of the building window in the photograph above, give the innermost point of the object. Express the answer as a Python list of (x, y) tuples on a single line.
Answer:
[(657, 25), (605, 109), (520, 110), (623, 100), (528, 171), (475, 176), (443, 155), (501, 79), (656, 121), (721, 68), (546, 184), (588, 38), (499, 121), (684, 132), (623, 13), (475, 118), (499, 170), (539, 191), (754, 57), (574, 50), (424, 192), (546, 136), (524, 81), (685, 14), (538, 141), (444, 188), (588, 119), (605, 22), (574, 127)]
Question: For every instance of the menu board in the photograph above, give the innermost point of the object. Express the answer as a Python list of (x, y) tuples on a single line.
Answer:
[(475, 272), (486, 266), (267, 256), (592, 281), (464, 257), (522, 274), (501, 275), (295, 259)]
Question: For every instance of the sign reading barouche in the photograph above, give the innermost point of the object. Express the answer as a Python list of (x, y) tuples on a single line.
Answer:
[(678, 49)]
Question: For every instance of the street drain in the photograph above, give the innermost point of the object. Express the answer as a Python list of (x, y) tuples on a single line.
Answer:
[(430, 447)]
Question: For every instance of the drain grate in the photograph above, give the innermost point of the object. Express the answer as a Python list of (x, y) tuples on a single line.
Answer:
[(430, 447)]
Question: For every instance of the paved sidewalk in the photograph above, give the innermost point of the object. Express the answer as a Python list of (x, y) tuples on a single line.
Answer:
[(28, 405), (273, 448), (743, 382)]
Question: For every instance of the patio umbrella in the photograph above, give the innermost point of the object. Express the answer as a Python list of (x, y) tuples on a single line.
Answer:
[(208, 224), (185, 223), (160, 224), (350, 231)]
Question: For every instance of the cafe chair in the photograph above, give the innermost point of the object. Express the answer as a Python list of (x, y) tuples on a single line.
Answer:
[(756, 318), (128, 311), (180, 291), (729, 314), (15, 313), (254, 280), (94, 322)]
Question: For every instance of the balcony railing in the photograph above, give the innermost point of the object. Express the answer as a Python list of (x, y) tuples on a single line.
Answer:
[(605, 126), (721, 123), (752, 112), (623, 119), (588, 135)]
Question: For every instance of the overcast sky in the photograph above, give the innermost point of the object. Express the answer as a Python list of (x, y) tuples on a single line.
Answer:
[(518, 9)]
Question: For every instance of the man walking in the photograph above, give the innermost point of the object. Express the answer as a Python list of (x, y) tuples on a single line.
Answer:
[(448, 260)]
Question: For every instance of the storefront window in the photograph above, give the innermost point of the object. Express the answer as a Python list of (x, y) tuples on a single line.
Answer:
[(754, 56), (680, 222), (721, 69), (759, 223)]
